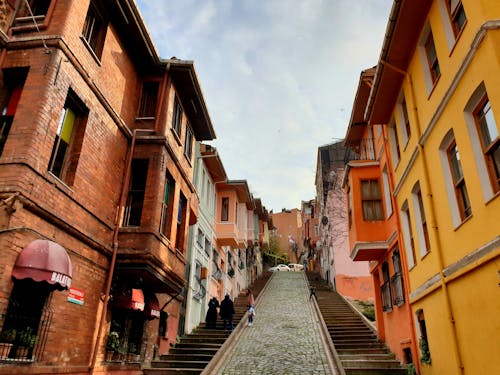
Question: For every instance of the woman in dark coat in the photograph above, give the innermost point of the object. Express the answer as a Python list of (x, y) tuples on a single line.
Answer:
[(211, 318), (227, 312)]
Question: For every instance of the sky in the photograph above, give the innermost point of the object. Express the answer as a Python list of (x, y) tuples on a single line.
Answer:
[(278, 77)]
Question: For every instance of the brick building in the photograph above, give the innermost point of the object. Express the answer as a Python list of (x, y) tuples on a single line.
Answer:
[(96, 163)]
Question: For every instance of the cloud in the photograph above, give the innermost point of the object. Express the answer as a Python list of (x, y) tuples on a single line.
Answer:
[(278, 76)]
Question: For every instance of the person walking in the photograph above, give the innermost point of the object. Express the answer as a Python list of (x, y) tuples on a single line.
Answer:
[(227, 312), (211, 318), (250, 306)]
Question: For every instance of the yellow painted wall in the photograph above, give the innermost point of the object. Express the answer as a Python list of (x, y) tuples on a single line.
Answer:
[(474, 295)]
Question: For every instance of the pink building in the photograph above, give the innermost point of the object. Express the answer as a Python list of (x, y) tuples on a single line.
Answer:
[(351, 279)]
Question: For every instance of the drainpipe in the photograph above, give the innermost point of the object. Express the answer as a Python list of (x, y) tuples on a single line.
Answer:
[(444, 286), (123, 197)]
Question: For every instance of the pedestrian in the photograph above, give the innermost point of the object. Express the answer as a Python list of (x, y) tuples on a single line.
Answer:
[(251, 314), (312, 292), (250, 306), (227, 312), (211, 318), (250, 298)]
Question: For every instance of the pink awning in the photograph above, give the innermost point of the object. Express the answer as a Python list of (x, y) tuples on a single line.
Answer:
[(44, 261)]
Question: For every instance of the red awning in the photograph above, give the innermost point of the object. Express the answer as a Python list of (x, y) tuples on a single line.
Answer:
[(152, 309), (44, 260), (134, 300)]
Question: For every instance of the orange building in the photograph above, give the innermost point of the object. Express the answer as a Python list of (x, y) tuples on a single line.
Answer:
[(288, 224), (373, 225)]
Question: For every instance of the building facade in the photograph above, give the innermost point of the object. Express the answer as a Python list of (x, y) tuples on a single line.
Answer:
[(96, 156), (373, 226), (288, 229), (435, 90)]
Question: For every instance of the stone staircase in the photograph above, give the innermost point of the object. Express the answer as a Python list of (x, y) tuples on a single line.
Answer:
[(357, 345), (193, 351)]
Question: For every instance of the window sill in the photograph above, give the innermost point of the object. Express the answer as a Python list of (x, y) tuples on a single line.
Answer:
[(60, 184), (139, 118), (463, 222), (188, 159), (493, 197), (91, 51), (434, 84)]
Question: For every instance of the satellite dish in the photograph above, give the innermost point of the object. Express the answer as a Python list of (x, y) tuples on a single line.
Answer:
[(324, 220)]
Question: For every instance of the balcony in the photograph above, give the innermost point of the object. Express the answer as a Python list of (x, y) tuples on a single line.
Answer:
[(227, 233), (364, 150)]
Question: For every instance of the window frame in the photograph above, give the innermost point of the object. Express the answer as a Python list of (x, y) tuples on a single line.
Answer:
[(32, 21), (394, 141), (454, 16), (408, 236), (63, 163), (149, 100), (224, 215), (177, 115), (459, 185), (167, 206), (371, 201), (136, 193), (433, 64), (493, 146), (94, 31), (188, 143)]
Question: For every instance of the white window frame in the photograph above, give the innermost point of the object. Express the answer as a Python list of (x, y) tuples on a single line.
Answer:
[(418, 220), (406, 235), (477, 150), (387, 193), (448, 139), (429, 83), (402, 125), (392, 138)]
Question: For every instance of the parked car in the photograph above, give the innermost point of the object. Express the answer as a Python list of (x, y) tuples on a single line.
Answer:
[(280, 267), (296, 267)]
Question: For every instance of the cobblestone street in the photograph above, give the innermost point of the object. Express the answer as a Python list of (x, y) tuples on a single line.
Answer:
[(284, 338)]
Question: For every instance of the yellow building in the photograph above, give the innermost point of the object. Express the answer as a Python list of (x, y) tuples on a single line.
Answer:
[(437, 88)]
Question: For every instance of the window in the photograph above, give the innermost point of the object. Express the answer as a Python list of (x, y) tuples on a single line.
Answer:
[(387, 193), (167, 205), (68, 140), (397, 289), (200, 238), (129, 324), (459, 182), (490, 142), (31, 14), (177, 117), (408, 235), (349, 204), (405, 120), (386, 289), (181, 223), (94, 30), (149, 97), (28, 314), (188, 143), (457, 15), (371, 200), (423, 343), (208, 246), (432, 60), (225, 209), (395, 149), (421, 221), (137, 189), (10, 93)]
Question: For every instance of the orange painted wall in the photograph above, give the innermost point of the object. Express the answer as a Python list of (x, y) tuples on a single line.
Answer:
[(355, 287), (288, 223)]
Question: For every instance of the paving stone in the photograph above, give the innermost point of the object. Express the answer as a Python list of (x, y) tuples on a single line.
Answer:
[(284, 338)]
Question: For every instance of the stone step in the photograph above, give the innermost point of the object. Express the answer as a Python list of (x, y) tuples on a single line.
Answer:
[(359, 357), (171, 371), (190, 351), (207, 340), (187, 357), (197, 345), (372, 371), (362, 351), (179, 364), (376, 364)]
